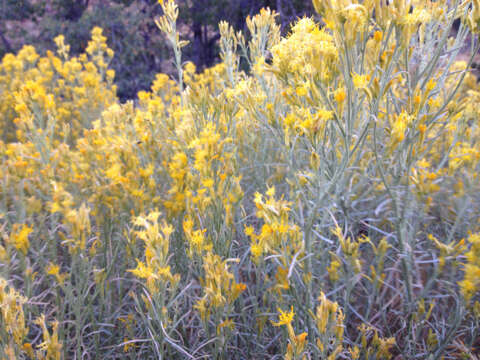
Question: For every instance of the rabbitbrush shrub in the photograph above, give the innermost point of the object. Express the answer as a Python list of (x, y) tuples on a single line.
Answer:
[(323, 205)]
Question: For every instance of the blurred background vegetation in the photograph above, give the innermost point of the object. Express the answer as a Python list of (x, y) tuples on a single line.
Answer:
[(140, 49)]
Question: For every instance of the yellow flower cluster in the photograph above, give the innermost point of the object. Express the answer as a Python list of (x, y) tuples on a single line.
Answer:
[(155, 270), (193, 213), (50, 348), (219, 286), (470, 285), (57, 94), (296, 343), (19, 237), (13, 326), (278, 234), (376, 346), (329, 320), (308, 50), (14, 329)]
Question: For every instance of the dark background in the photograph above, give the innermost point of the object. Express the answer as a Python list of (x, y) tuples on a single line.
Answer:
[(140, 49)]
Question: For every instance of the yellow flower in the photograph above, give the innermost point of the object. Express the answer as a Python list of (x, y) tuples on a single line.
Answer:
[(27, 347), (301, 91), (334, 270), (141, 271), (50, 344), (360, 81), (256, 250), (226, 324), (340, 95), (471, 281), (249, 231), (127, 345), (20, 238), (285, 318), (52, 269)]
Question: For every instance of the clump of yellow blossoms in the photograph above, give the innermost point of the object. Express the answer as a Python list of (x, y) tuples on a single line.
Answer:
[(329, 320), (13, 326), (59, 95), (307, 50), (204, 208), (296, 343), (278, 234), (50, 348), (156, 237), (220, 291), (470, 285), (19, 237)]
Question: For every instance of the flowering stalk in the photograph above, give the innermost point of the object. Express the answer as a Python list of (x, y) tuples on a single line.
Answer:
[(168, 25)]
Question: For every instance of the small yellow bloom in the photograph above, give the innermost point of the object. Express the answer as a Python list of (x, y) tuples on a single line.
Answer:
[(141, 271), (301, 91), (360, 81), (249, 231), (52, 269), (20, 238), (284, 318), (340, 95), (256, 250), (431, 85), (378, 36), (128, 345)]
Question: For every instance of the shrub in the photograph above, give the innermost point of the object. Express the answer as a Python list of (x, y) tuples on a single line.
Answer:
[(322, 205)]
